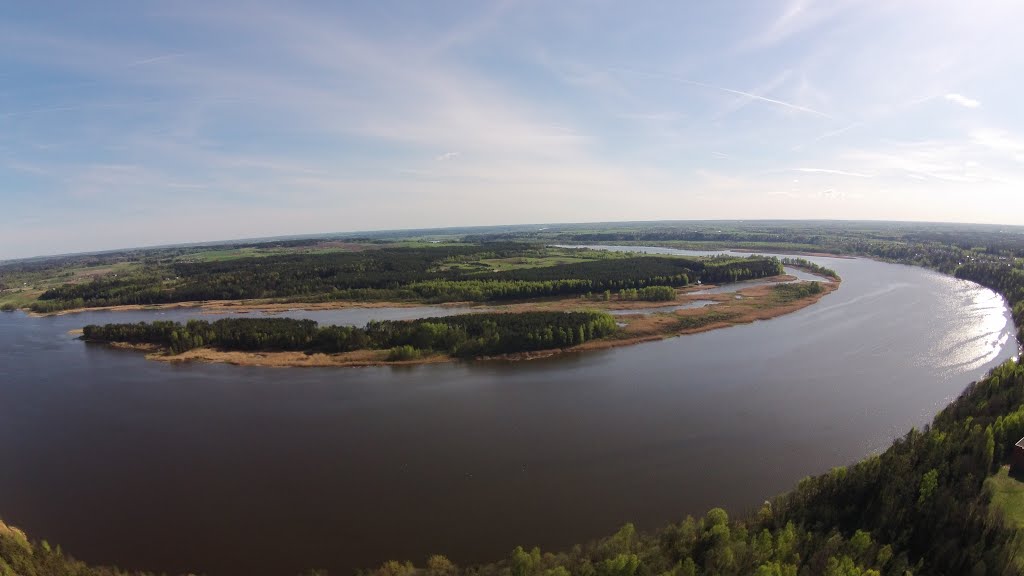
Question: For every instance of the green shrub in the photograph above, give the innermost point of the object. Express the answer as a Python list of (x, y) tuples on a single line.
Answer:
[(404, 352)]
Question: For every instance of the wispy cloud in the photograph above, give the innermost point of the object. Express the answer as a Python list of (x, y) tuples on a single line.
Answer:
[(19, 113), (952, 162), (756, 94), (154, 59), (651, 116), (319, 117), (749, 95), (797, 16), (962, 100), (832, 172), (1000, 142), (827, 135)]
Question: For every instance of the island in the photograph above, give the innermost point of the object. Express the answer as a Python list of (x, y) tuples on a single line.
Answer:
[(517, 332)]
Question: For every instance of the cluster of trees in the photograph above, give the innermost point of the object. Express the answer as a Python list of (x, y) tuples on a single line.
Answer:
[(145, 287), (811, 267), (467, 335), (396, 273), (722, 270), (486, 290), (796, 290), (648, 294)]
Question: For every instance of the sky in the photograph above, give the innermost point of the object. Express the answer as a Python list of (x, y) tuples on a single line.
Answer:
[(142, 122)]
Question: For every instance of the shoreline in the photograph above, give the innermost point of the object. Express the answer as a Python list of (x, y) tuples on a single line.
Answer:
[(731, 309)]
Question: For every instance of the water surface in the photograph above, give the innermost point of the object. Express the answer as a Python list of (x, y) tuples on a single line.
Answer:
[(241, 470)]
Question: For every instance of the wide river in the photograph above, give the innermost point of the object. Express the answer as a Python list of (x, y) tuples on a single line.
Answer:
[(231, 470)]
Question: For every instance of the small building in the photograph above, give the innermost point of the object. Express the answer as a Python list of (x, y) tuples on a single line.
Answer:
[(1017, 460)]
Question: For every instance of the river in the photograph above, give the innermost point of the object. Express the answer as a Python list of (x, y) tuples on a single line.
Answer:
[(232, 470)]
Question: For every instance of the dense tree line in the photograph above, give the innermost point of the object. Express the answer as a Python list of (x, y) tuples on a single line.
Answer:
[(426, 274), (648, 294), (812, 267), (466, 335)]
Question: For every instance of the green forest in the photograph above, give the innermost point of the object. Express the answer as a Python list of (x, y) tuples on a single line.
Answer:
[(811, 267), (425, 274), (466, 335)]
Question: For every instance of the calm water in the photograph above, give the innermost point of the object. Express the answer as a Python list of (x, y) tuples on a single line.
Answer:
[(233, 470)]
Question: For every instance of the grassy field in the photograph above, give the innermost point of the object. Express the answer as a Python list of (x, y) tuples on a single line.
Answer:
[(25, 287), (22, 286), (1008, 496), (231, 254), (544, 258), (502, 264)]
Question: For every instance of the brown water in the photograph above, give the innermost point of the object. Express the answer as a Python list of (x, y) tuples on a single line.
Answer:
[(239, 470)]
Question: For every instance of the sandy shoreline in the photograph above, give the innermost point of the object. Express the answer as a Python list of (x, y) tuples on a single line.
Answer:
[(742, 307)]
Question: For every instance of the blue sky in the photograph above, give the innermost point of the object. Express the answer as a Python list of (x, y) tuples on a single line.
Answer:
[(137, 123)]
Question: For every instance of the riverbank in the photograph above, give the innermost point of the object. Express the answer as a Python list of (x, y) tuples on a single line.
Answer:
[(638, 324)]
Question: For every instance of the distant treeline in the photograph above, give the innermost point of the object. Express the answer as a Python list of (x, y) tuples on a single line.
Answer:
[(422, 274), (466, 335)]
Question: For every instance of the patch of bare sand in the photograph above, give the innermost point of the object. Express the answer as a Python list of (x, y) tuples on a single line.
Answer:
[(292, 359)]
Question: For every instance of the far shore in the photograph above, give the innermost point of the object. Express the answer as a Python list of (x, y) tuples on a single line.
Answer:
[(733, 308), (273, 305)]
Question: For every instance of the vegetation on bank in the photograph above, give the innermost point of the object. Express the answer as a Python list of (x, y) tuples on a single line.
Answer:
[(648, 294), (1007, 494), (21, 557), (466, 336), (811, 267), (795, 291), (442, 273)]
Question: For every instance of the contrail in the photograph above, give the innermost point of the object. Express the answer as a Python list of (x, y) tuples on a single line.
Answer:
[(782, 103)]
